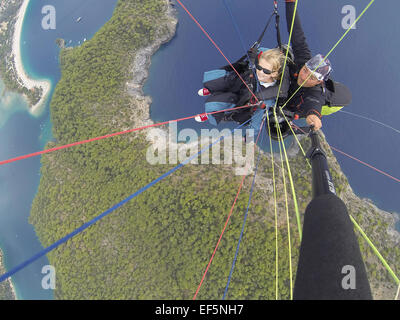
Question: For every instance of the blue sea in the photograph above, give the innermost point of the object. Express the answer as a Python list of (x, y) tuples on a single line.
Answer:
[(365, 61), (22, 133)]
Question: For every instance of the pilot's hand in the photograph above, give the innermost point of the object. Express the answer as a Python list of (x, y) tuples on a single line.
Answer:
[(314, 120), (253, 53)]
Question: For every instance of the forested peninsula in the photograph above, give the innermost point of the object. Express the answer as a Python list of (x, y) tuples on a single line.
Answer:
[(158, 245), (8, 68)]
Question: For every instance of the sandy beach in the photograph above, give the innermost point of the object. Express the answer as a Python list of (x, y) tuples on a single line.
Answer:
[(16, 51)]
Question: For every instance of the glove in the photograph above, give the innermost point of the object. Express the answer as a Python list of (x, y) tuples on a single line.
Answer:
[(253, 53)]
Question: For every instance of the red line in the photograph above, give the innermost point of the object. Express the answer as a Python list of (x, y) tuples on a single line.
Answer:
[(107, 136), (358, 160), (216, 46), (144, 127), (226, 223), (220, 237), (366, 164)]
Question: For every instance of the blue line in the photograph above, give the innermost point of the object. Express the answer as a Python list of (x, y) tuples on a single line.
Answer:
[(245, 217), (93, 221), (242, 43), (236, 28)]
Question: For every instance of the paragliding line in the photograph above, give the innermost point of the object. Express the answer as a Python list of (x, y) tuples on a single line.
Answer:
[(118, 205)]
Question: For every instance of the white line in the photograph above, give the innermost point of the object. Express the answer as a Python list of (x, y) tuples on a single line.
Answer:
[(382, 124)]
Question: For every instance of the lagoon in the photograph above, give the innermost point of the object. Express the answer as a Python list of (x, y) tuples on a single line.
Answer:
[(22, 133)]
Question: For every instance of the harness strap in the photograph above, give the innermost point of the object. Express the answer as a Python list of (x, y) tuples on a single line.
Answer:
[(278, 33)]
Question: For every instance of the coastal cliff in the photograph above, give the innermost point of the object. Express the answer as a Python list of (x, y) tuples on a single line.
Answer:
[(377, 224), (157, 245)]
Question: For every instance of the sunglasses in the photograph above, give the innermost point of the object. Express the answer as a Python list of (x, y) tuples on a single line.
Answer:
[(266, 71)]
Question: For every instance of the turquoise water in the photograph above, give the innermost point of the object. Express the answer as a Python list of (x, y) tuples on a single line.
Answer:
[(21, 133)]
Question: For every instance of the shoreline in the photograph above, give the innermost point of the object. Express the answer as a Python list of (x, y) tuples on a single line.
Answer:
[(12, 288), (141, 70), (27, 82), (9, 281)]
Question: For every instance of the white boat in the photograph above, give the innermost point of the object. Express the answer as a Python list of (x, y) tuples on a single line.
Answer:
[(79, 19)]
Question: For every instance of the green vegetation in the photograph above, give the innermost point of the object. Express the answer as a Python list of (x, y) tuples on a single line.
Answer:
[(7, 67), (6, 292), (60, 42), (156, 246)]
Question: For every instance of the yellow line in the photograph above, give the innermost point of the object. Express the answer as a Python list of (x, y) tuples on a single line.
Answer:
[(330, 51), (386, 265), (283, 74), (287, 215), (396, 279), (297, 140), (276, 217), (287, 52), (291, 182), (327, 55)]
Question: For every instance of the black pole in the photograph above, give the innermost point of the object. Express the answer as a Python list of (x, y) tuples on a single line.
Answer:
[(330, 264), (321, 177)]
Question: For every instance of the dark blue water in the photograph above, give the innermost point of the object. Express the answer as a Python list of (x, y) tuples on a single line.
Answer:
[(21, 133), (366, 61), (40, 52)]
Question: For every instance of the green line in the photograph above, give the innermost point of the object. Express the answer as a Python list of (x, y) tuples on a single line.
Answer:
[(348, 30), (297, 140), (283, 74), (276, 218), (287, 52), (291, 183), (287, 215), (337, 43), (330, 51), (327, 55), (396, 279), (384, 262)]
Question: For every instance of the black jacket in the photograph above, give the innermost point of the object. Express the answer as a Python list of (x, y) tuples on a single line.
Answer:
[(307, 100), (264, 93)]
